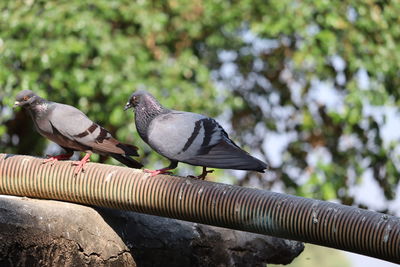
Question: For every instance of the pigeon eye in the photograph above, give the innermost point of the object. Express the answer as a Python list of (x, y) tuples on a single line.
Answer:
[(26, 98)]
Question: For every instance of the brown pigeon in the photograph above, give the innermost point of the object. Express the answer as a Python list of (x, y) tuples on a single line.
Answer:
[(73, 131)]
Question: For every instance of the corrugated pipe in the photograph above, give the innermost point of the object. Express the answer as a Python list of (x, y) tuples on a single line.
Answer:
[(259, 211)]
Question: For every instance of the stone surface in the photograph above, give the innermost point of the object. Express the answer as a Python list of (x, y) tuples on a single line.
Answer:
[(53, 233)]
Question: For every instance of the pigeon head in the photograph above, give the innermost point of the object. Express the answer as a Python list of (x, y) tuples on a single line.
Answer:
[(26, 98), (142, 98), (146, 108)]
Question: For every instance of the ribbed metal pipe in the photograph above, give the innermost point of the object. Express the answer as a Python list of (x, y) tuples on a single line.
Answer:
[(259, 211)]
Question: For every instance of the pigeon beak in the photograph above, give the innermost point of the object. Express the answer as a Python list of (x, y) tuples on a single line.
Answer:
[(16, 104), (127, 106)]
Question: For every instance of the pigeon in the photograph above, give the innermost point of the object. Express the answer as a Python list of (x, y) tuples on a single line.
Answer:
[(73, 131), (187, 137)]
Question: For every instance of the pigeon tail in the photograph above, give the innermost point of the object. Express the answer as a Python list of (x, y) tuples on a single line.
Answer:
[(126, 160), (129, 150)]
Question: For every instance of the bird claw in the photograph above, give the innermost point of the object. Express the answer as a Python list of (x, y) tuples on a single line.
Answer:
[(79, 167), (156, 172), (201, 176), (54, 159), (50, 159), (75, 163), (80, 164)]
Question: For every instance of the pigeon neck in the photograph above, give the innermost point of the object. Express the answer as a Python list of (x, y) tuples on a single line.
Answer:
[(144, 114), (39, 107)]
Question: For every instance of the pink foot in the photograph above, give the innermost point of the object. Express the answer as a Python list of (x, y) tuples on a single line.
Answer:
[(160, 171), (54, 159), (80, 164)]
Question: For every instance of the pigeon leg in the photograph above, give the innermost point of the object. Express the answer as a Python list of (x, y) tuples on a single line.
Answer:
[(159, 171), (80, 164), (54, 159), (203, 175), (166, 170)]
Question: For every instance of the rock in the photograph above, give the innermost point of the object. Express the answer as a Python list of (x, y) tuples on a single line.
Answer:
[(183, 243), (52, 233)]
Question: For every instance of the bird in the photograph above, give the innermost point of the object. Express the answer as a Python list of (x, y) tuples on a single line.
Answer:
[(187, 137), (71, 129)]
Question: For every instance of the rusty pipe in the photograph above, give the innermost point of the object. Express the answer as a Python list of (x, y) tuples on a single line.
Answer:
[(253, 210)]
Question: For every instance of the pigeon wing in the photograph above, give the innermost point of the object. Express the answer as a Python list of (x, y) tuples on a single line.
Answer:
[(176, 135), (226, 155), (76, 126), (198, 140), (219, 151)]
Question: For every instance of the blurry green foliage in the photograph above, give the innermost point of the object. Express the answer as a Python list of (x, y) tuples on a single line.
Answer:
[(94, 54)]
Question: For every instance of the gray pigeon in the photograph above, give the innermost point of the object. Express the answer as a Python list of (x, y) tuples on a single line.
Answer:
[(187, 137), (73, 131)]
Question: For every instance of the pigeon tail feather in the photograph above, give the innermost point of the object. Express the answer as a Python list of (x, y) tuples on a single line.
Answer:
[(126, 160), (227, 156), (129, 150)]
